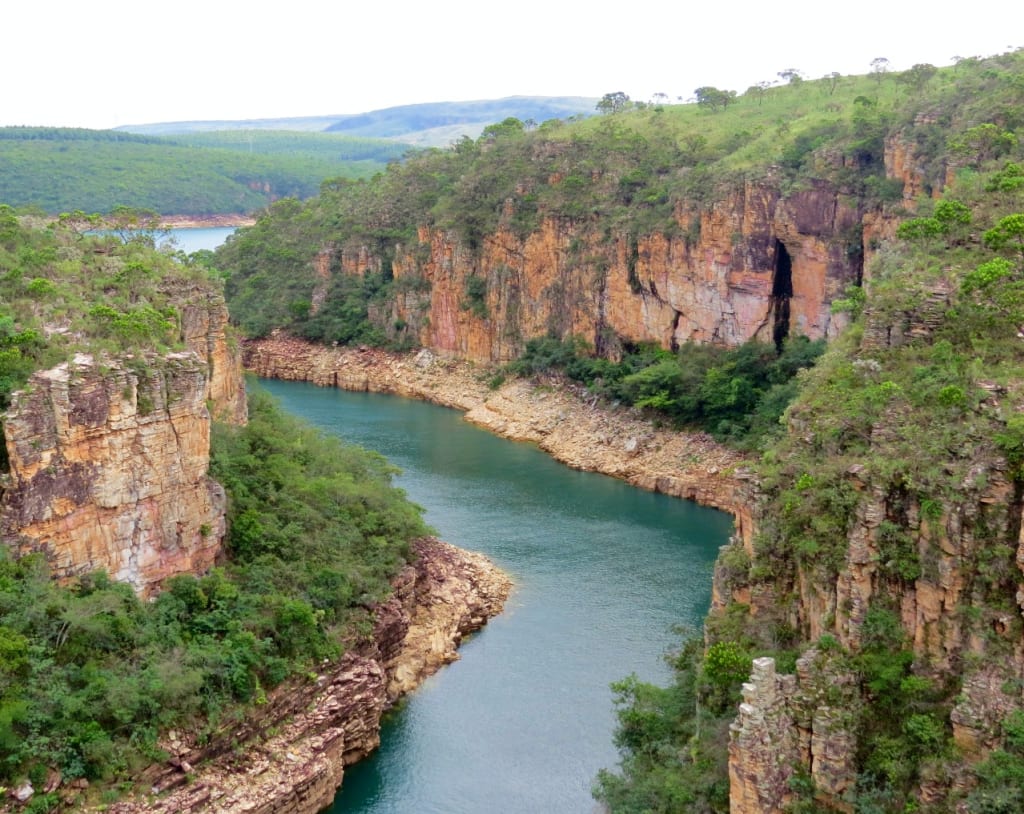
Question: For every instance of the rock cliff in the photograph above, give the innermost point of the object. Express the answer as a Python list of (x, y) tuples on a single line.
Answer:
[(108, 457), (900, 559), (297, 745), (758, 264)]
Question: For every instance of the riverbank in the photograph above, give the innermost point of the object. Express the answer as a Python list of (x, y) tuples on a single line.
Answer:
[(562, 419), (288, 756), (206, 221)]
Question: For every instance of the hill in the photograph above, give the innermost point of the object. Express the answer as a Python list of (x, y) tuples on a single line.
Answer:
[(434, 124), (63, 169)]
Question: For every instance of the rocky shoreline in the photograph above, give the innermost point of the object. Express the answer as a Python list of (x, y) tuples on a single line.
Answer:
[(205, 221), (288, 756), (564, 420)]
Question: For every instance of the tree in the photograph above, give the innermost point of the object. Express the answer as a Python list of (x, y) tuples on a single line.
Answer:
[(918, 75), (832, 81), (134, 225), (1007, 235), (879, 68), (793, 76), (713, 98), (759, 90), (613, 102), (505, 129)]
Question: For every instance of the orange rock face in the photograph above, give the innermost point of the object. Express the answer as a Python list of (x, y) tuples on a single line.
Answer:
[(756, 265), (108, 459), (108, 471)]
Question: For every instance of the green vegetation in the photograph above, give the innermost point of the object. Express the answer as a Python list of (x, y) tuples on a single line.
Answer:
[(62, 291), (90, 675), (673, 740), (61, 169), (361, 155), (738, 395)]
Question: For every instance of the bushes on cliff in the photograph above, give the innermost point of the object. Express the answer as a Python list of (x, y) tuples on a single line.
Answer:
[(737, 394), (673, 740), (310, 516), (89, 675)]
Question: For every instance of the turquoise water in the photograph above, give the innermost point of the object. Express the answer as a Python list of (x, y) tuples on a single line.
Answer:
[(192, 240), (603, 572)]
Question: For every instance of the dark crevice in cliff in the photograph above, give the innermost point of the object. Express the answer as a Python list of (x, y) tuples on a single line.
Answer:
[(673, 339), (632, 258), (782, 293)]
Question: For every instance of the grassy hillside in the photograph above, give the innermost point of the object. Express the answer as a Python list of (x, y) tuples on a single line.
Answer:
[(439, 124), (357, 152)]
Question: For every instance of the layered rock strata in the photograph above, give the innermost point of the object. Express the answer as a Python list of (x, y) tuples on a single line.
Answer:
[(566, 422), (758, 264), (289, 755), (108, 458), (108, 470)]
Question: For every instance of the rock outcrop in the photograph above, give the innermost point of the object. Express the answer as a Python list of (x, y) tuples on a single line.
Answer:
[(108, 457), (924, 581), (297, 745)]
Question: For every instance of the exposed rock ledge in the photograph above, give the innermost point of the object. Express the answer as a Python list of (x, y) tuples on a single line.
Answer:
[(566, 422), (295, 747)]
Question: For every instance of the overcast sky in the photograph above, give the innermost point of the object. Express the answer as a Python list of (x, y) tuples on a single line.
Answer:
[(104, 63)]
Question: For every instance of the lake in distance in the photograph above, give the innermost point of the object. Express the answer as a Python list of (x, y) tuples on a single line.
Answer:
[(603, 573)]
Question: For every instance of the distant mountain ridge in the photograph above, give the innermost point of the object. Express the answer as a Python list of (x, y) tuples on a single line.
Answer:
[(428, 124)]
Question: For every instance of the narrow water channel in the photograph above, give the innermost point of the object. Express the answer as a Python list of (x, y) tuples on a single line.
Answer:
[(603, 572)]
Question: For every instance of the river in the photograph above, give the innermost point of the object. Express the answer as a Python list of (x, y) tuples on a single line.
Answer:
[(603, 572)]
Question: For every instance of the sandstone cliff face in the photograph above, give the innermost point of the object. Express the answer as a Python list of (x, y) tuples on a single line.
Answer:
[(108, 459), (204, 329), (948, 570), (298, 744), (758, 264), (108, 470)]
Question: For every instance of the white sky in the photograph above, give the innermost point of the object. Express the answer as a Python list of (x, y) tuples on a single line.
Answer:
[(104, 63)]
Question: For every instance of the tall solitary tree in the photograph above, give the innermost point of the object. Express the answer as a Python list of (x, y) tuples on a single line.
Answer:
[(613, 102)]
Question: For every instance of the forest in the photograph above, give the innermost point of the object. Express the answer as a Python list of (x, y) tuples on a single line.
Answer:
[(234, 173)]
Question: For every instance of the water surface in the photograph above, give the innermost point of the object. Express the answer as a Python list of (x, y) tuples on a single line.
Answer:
[(603, 572), (192, 240)]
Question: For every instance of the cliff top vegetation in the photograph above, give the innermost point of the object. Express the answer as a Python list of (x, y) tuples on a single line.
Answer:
[(64, 290)]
